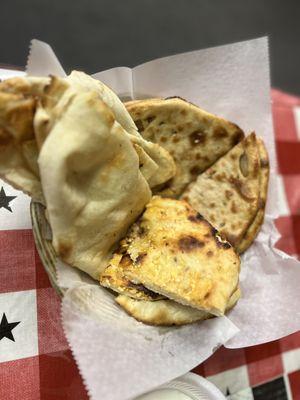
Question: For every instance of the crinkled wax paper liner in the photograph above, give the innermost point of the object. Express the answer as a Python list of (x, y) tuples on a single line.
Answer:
[(118, 357)]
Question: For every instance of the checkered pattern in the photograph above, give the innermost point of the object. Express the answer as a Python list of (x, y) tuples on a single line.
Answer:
[(38, 363)]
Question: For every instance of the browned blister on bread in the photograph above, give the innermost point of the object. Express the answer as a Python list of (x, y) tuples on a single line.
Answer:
[(194, 137), (175, 252), (227, 194), (254, 228)]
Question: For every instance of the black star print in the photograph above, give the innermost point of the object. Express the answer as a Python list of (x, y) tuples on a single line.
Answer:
[(5, 200), (6, 328)]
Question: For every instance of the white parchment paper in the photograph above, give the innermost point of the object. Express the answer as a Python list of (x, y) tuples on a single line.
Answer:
[(120, 358)]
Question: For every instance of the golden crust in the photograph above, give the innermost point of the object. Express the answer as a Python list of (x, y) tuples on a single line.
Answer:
[(178, 254), (254, 228), (194, 137), (227, 194), (113, 278), (167, 312)]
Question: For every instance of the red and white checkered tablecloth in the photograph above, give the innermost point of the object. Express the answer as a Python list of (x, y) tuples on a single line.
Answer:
[(35, 361)]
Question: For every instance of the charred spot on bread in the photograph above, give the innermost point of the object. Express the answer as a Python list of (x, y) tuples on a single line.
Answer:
[(189, 243), (197, 137), (195, 218), (139, 125)]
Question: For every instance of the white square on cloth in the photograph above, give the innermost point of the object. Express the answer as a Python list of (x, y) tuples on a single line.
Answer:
[(18, 307)]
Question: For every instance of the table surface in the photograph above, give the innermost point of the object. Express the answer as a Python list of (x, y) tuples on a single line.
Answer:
[(35, 360)]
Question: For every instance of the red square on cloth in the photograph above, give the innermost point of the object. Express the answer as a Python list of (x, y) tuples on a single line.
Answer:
[(292, 186), (288, 157), (17, 261), (42, 279), (287, 242), (286, 99), (59, 377), (50, 332), (265, 369), (262, 351), (284, 123), (224, 359), (19, 379), (290, 342), (294, 379)]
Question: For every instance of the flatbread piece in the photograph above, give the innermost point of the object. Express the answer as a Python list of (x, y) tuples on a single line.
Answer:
[(194, 137), (227, 194), (167, 312), (254, 228), (173, 251)]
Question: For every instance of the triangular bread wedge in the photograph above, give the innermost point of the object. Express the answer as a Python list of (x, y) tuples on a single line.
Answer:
[(167, 312), (194, 137), (254, 228), (173, 251), (227, 194)]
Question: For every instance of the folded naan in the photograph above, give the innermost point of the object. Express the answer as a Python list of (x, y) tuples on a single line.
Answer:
[(157, 164), (174, 252), (92, 174), (227, 194), (194, 137), (264, 172), (167, 312), (93, 187), (18, 150), (29, 107)]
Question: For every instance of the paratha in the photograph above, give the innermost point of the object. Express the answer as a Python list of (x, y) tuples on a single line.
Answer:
[(194, 137), (167, 312), (227, 194), (175, 252), (254, 228)]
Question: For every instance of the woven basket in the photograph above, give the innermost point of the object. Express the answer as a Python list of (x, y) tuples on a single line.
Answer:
[(43, 244)]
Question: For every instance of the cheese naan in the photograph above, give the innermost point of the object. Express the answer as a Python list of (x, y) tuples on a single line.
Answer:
[(173, 251)]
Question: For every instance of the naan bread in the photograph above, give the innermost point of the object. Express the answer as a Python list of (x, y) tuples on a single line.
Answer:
[(113, 278), (91, 180), (254, 228), (29, 108), (18, 150), (158, 166), (173, 251), (95, 176), (195, 138), (227, 194), (167, 312)]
